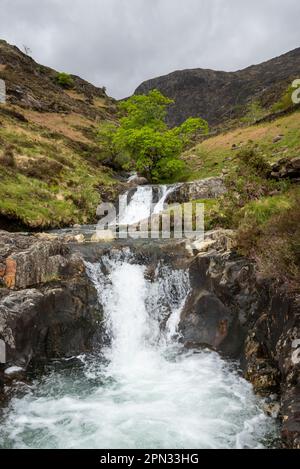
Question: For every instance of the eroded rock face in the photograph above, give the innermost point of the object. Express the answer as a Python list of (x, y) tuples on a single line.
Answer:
[(58, 321), (48, 306), (287, 168)]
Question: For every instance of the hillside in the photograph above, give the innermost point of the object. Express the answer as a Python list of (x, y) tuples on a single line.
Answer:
[(218, 96), (51, 173), (277, 139)]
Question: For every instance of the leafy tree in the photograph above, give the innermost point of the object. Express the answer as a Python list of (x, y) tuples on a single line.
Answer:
[(142, 140)]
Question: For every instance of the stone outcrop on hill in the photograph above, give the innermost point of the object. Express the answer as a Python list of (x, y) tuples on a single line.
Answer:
[(210, 188), (287, 168), (219, 96), (34, 86)]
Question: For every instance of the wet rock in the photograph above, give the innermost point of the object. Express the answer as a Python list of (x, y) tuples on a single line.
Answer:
[(57, 321), (205, 320), (210, 188), (49, 308), (235, 311), (138, 181)]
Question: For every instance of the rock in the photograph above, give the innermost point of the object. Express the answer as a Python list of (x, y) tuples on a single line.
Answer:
[(56, 322), (210, 188), (50, 307), (138, 181), (218, 96), (272, 409), (14, 373), (103, 235), (286, 168), (278, 138), (203, 246), (235, 311), (205, 320), (79, 238)]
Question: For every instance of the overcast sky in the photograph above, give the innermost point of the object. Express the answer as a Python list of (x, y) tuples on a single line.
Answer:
[(120, 43)]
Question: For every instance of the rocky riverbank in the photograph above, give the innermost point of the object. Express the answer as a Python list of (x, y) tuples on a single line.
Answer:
[(49, 309), (235, 311), (48, 306)]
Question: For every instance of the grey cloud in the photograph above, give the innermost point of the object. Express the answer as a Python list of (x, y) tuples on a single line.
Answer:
[(120, 43)]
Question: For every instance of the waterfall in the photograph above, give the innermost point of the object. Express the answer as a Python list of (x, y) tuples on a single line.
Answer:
[(141, 205), (165, 192), (143, 390)]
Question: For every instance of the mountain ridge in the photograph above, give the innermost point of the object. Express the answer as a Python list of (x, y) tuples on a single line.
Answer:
[(218, 95)]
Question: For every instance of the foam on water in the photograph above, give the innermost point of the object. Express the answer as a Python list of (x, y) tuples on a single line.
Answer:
[(143, 390)]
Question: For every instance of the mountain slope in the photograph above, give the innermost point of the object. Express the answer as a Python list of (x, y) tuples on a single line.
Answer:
[(51, 171), (218, 96)]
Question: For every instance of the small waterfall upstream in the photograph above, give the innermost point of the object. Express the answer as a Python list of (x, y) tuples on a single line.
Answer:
[(143, 390), (142, 205)]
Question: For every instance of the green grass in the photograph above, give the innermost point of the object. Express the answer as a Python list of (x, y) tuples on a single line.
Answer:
[(260, 211), (215, 154), (53, 183)]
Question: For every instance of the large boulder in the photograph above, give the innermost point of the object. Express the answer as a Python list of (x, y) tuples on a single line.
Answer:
[(48, 305), (210, 188), (59, 320)]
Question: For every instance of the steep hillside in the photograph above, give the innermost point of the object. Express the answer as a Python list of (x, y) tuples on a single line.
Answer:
[(260, 167), (276, 139), (219, 96), (50, 162)]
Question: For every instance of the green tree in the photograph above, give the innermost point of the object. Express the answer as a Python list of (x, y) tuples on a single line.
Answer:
[(142, 140)]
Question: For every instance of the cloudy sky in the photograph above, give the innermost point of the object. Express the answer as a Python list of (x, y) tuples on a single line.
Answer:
[(120, 43)]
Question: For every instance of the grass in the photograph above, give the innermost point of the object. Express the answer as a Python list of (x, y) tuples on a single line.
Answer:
[(56, 180), (260, 211), (215, 154), (269, 232)]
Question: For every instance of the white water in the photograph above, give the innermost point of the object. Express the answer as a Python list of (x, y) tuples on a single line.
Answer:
[(141, 204), (144, 391)]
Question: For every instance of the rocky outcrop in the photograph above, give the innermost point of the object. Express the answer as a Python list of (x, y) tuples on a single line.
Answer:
[(287, 168), (48, 306), (218, 96), (210, 188), (234, 311), (34, 86)]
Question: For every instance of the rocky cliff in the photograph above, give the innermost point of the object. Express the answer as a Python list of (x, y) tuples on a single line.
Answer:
[(48, 306), (218, 96)]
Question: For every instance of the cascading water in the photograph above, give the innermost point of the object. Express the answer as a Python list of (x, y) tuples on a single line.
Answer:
[(141, 204), (144, 390)]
